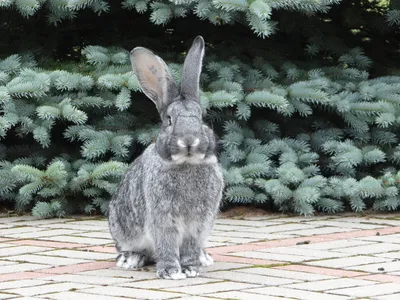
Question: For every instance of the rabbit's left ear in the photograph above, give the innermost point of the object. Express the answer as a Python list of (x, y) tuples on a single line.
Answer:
[(154, 77), (191, 70)]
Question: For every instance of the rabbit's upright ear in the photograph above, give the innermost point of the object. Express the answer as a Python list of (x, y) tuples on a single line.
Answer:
[(191, 70), (154, 77)]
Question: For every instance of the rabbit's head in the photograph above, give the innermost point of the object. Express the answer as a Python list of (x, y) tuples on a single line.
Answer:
[(183, 137)]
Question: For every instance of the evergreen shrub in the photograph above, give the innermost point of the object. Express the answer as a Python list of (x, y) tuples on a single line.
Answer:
[(304, 95)]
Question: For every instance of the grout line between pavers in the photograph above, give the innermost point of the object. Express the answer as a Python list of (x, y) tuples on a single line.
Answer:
[(245, 260), (21, 275), (380, 278), (219, 254), (321, 270), (47, 243), (70, 269), (293, 241)]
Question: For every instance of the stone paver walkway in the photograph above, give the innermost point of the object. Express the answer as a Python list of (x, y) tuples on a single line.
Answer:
[(269, 257)]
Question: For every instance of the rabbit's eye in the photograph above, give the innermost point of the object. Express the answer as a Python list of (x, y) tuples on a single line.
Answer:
[(169, 121)]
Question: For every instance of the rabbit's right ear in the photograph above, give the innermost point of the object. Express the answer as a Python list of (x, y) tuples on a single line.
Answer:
[(154, 77)]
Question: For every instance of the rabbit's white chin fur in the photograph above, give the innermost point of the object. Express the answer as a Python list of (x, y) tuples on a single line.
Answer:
[(194, 159)]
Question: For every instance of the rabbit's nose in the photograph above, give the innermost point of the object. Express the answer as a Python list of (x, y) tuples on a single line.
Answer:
[(188, 141)]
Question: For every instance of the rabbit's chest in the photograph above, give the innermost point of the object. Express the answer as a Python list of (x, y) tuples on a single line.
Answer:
[(195, 187), (187, 191)]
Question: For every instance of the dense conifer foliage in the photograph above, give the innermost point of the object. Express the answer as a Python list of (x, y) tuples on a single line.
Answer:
[(304, 95)]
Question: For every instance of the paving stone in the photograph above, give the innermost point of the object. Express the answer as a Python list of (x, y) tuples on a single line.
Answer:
[(288, 293), (42, 233), (50, 244), (49, 288), (37, 221), (21, 283), (381, 278), (261, 218), (243, 296), (45, 241), (271, 256), (320, 270), (131, 293), (389, 238), (163, 284), (86, 279), (80, 254), (341, 224), (20, 276), (373, 268), (134, 275), (6, 263), (77, 239), (9, 220), (371, 221), (321, 230), (11, 231), (221, 266), (333, 245), (216, 244), (245, 235), (291, 228), (285, 274), (196, 298), (47, 260), (389, 297), (5, 245), (21, 268), (98, 223), (395, 273), (89, 266), (28, 298), (100, 249), (5, 226), (95, 234), (10, 251), (75, 226), (330, 284), (236, 222), (393, 255), (245, 260), (231, 227), (249, 278), (348, 261), (230, 240), (80, 295), (7, 296), (203, 289), (370, 249), (310, 253), (369, 291), (299, 219)]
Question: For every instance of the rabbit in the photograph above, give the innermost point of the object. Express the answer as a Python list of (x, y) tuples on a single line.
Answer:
[(165, 206)]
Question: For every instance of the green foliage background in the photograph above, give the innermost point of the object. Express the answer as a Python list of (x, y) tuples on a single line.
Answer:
[(304, 95)]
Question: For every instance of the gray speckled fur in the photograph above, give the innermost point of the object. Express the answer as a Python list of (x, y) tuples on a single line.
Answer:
[(166, 204)]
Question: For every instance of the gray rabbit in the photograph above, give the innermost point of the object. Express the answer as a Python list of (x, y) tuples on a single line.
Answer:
[(165, 207)]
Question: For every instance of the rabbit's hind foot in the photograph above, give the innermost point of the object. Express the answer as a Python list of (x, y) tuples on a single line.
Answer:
[(173, 273), (205, 259), (131, 260)]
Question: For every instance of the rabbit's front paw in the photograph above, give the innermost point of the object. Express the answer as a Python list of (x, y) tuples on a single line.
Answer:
[(191, 271), (131, 260), (171, 273)]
